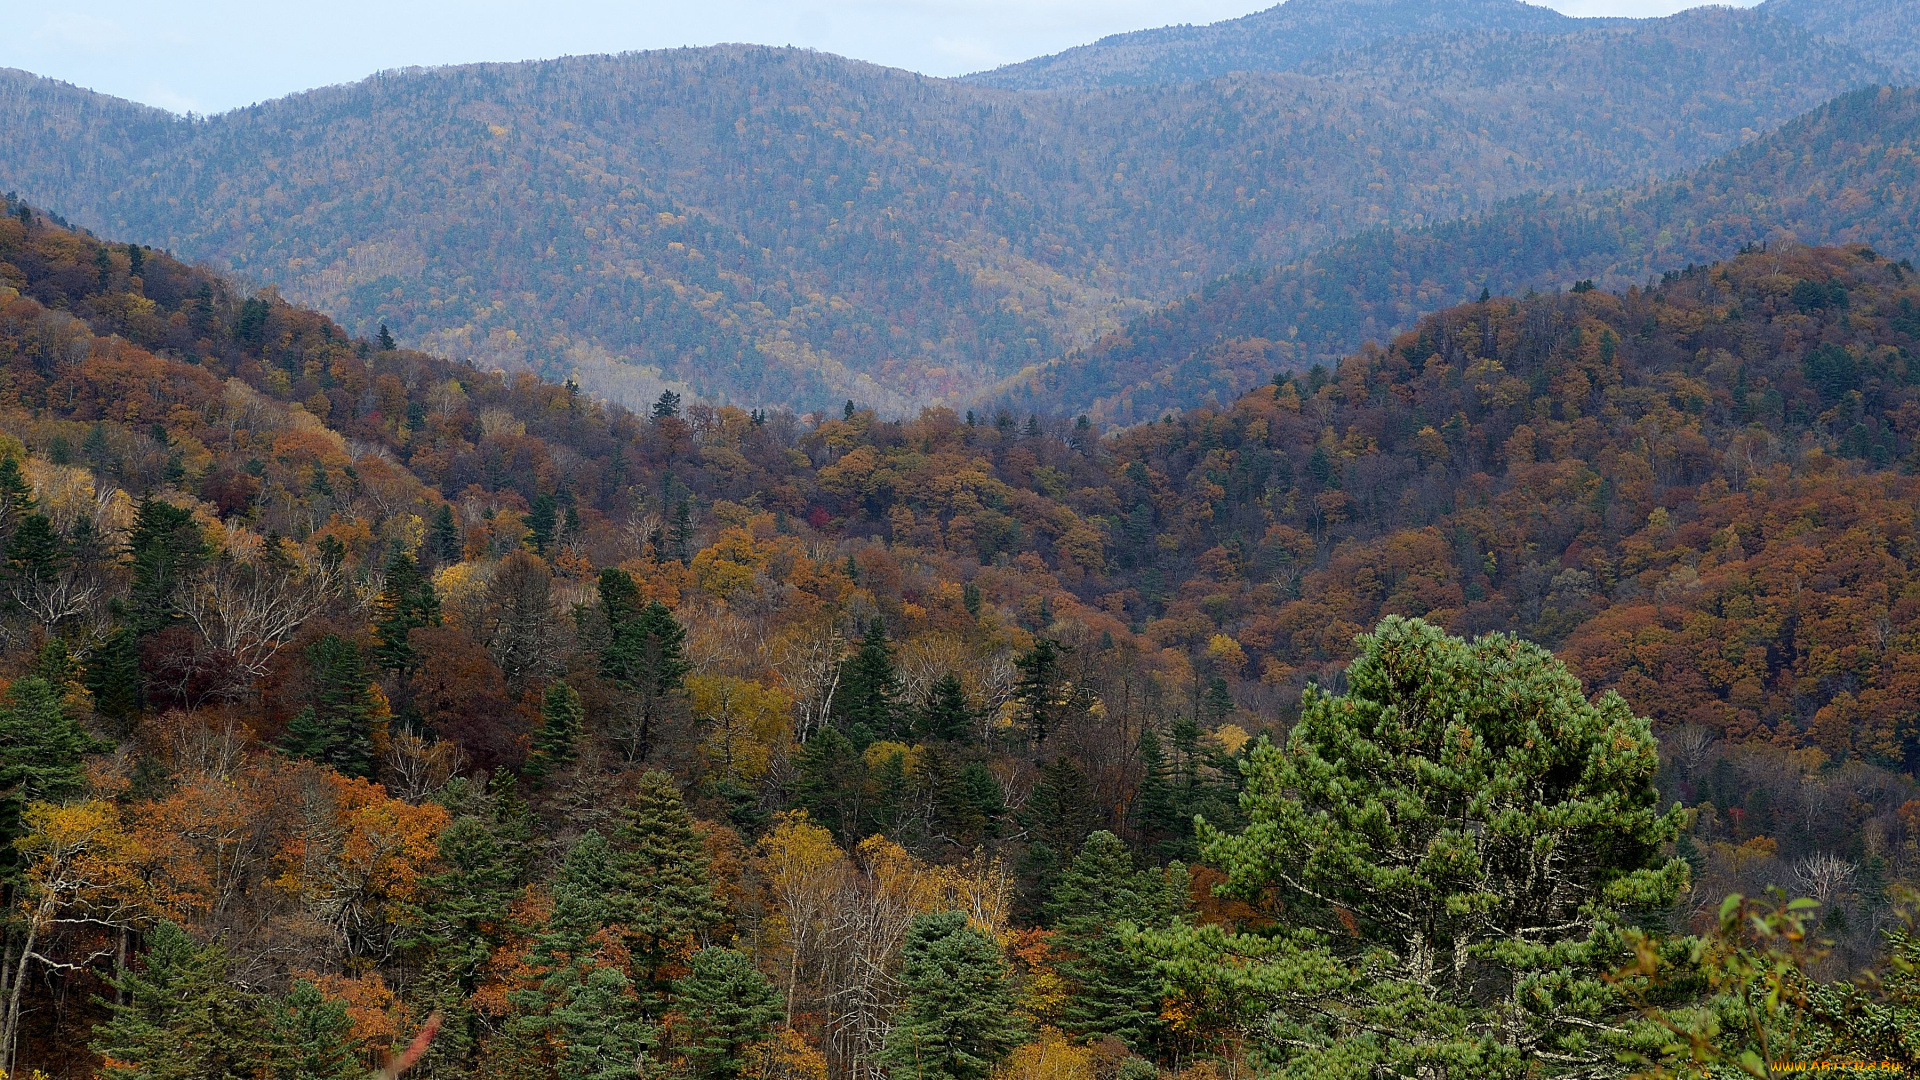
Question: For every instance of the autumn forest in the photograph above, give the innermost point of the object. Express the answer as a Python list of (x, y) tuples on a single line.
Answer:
[(1485, 643)]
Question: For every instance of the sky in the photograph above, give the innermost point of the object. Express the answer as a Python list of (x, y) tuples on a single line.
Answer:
[(207, 56)]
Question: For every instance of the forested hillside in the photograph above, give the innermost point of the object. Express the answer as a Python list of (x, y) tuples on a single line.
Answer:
[(1281, 38), (1844, 173), (1887, 30), (771, 227), (345, 685)]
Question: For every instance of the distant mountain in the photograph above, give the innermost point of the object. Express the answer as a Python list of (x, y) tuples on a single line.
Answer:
[(1281, 38), (770, 226), (1845, 173), (1886, 30)]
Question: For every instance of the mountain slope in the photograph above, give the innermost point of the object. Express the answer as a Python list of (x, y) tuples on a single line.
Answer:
[(1281, 38), (1847, 172), (1886, 30), (779, 227)]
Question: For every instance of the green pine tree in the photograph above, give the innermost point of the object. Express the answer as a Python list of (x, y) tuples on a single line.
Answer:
[(36, 556), (728, 1005), (406, 603), (947, 714), (561, 718), (961, 1014), (16, 495), (643, 656), (598, 1023), (384, 339), (1461, 818), (1062, 809), (463, 914), (310, 1038), (42, 753), (167, 546), (1038, 691), (584, 897), (1096, 900), (542, 518), (339, 725), (665, 903), (112, 676), (868, 699), (180, 1018), (1155, 813), (443, 535), (831, 785)]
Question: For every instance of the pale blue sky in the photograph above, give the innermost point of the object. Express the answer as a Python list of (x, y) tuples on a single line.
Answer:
[(211, 55)]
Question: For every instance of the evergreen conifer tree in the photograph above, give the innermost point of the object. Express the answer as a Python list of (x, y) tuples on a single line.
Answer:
[(947, 714), (665, 903), (1062, 809), (1096, 899), (728, 1005), (683, 532), (644, 656), (384, 339), (598, 1023), (310, 1037), (1039, 686), (832, 785), (443, 535), (542, 518), (16, 495), (42, 751), (339, 726), (180, 1018), (554, 747), (406, 603), (583, 897), (35, 557), (868, 700), (1155, 814), (167, 546), (961, 1016)]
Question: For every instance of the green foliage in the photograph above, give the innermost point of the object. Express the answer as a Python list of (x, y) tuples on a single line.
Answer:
[(406, 603), (182, 1019), (643, 656), (310, 1038), (167, 546), (337, 728), (1063, 809), (1039, 688), (666, 901), (868, 702), (959, 1018), (42, 751), (947, 714), (1097, 901), (554, 744), (1462, 818), (728, 1004)]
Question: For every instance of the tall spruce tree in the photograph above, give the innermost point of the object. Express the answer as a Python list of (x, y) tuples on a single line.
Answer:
[(310, 1038), (167, 546), (598, 1024), (1062, 809), (16, 495), (1038, 691), (42, 753), (728, 1005), (406, 603), (666, 903), (1155, 812), (869, 695), (339, 726), (947, 715), (179, 1018), (443, 535), (961, 1015), (36, 556), (554, 744), (644, 656), (831, 785), (1097, 899)]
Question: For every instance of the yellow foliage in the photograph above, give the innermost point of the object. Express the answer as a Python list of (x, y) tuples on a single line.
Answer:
[(1226, 653), (1052, 1056), (729, 565), (786, 1055), (878, 752), (748, 722)]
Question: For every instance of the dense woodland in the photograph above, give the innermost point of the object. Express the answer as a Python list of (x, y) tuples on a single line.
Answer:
[(1839, 174), (346, 685), (777, 228)]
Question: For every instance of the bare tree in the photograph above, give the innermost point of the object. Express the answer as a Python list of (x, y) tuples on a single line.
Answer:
[(1824, 877), (248, 609)]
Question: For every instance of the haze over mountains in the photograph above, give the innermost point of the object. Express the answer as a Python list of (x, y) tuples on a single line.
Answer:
[(773, 227), (1845, 173)]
